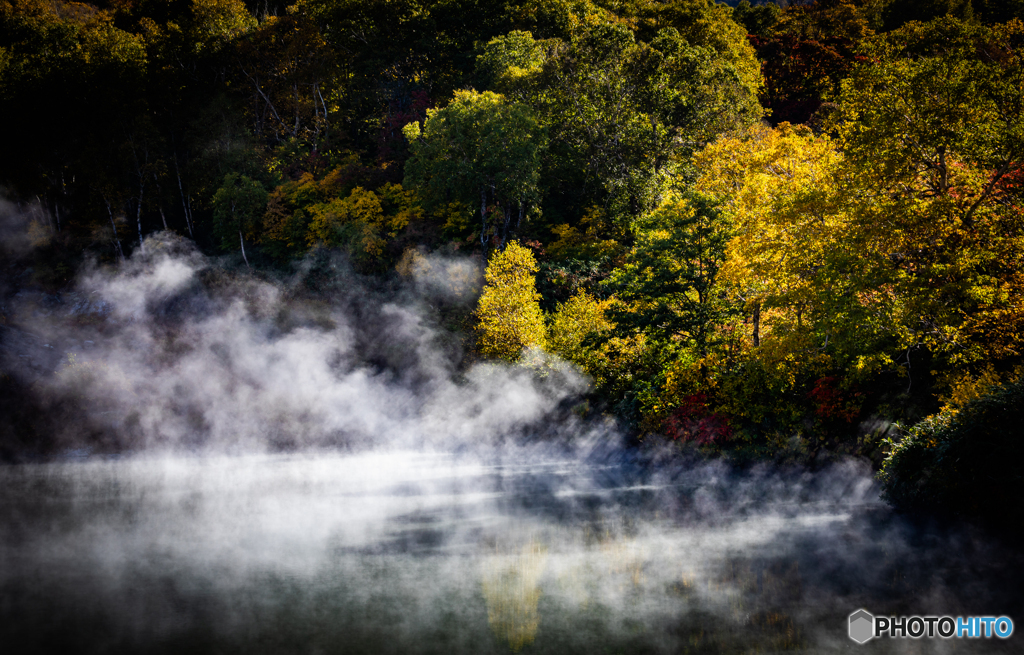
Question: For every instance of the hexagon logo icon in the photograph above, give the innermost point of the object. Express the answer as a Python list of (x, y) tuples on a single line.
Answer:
[(862, 626)]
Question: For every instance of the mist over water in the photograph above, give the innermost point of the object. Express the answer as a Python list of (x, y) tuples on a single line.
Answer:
[(307, 464), (175, 352)]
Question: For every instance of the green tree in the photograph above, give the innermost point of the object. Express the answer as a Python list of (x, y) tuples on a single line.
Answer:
[(759, 19), (506, 58), (480, 148), (556, 19), (669, 287), (509, 315), (238, 208), (625, 116), (964, 461), (700, 23)]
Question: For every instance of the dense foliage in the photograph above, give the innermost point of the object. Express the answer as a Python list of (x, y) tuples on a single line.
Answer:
[(761, 230), (509, 315), (964, 461)]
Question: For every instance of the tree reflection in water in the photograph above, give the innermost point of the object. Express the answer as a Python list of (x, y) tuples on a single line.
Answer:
[(511, 584)]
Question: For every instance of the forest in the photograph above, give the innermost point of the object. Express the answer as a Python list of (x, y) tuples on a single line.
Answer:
[(766, 232)]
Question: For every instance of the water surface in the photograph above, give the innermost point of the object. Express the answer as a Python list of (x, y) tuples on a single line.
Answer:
[(494, 552)]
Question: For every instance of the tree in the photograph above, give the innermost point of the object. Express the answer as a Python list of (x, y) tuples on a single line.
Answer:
[(809, 49), (238, 208), (932, 129), (575, 324), (392, 51), (958, 461), (363, 221), (556, 19), (801, 73), (788, 260), (54, 56), (669, 287), (507, 57), (813, 325), (900, 12), (509, 315), (760, 19), (480, 148), (625, 116), (702, 24), (846, 20), (142, 77), (290, 73)]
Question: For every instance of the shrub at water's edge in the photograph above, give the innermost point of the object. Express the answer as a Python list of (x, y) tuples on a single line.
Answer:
[(965, 462)]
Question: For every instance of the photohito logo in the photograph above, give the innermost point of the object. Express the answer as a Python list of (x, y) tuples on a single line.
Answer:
[(864, 626)]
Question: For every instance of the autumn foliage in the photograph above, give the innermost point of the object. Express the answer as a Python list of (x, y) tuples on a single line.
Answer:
[(763, 231), (509, 315)]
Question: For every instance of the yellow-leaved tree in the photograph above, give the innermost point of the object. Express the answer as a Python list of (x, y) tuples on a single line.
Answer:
[(808, 310), (364, 220), (509, 314), (775, 185), (794, 259), (574, 323)]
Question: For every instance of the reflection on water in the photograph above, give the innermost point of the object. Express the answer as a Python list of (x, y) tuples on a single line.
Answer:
[(413, 552), (511, 586)]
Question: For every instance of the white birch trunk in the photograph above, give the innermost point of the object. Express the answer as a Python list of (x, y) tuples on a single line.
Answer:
[(244, 258)]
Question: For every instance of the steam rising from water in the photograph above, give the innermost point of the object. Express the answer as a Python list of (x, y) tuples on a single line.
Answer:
[(175, 352), (321, 472)]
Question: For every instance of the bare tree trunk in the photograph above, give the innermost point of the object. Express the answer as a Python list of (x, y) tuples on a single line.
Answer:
[(327, 125), (316, 125), (138, 217), (244, 258), (483, 219), (272, 108), (42, 212), (139, 171), (757, 324), (266, 99), (160, 206), (184, 202), (64, 193), (113, 225), (910, 378), (507, 213)]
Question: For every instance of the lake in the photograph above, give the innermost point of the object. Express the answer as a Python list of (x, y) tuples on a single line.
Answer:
[(496, 551)]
